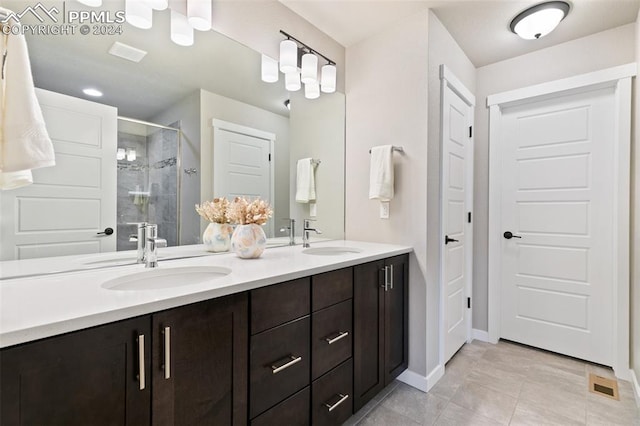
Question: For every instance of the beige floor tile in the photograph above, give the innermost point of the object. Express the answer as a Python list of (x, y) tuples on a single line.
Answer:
[(499, 380), (455, 415), (448, 385), (461, 363), (486, 402), (382, 416), (602, 410), (422, 407), (560, 362), (557, 378), (557, 400), (527, 414)]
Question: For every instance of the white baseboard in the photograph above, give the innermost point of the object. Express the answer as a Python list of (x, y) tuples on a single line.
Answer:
[(636, 387), (481, 335), (421, 382)]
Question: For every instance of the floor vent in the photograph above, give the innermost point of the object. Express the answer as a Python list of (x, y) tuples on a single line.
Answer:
[(604, 386)]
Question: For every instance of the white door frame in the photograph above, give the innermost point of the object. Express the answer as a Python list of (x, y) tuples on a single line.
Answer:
[(219, 125), (618, 78), (448, 79)]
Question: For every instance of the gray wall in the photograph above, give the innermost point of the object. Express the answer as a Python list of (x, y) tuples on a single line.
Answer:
[(321, 139), (386, 88), (226, 109), (591, 53)]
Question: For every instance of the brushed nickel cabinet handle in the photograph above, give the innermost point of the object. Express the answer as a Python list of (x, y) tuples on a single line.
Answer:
[(141, 375), (167, 352), (292, 360), (391, 281), (342, 399), (341, 335), (386, 278)]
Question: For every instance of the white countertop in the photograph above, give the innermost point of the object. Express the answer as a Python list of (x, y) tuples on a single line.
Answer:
[(36, 307)]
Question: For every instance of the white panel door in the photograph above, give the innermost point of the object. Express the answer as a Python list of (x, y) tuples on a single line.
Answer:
[(242, 164), (557, 198), (457, 187), (69, 204)]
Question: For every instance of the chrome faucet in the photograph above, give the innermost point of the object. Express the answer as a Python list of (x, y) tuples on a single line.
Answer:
[(306, 230), (291, 231), (146, 249), (140, 238), (151, 246)]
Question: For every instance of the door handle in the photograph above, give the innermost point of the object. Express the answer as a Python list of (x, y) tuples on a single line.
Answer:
[(107, 231), (448, 240), (509, 235)]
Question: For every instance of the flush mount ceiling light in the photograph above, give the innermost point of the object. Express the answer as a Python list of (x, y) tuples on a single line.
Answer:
[(299, 64), (539, 20), (92, 92)]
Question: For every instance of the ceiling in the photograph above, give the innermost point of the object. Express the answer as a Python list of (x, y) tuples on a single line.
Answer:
[(480, 27)]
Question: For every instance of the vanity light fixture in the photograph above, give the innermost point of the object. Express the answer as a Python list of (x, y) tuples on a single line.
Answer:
[(181, 31), (91, 3), (139, 13), (269, 69), (186, 15), (199, 14), (299, 64), (120, 154), (540, 19), (89, 91), (131, 154)]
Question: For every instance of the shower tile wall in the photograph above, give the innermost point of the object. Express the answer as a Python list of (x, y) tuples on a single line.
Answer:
[(132, 176), (163, 147), (147, 186)]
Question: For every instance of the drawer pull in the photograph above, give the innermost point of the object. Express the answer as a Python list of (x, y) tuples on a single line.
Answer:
[(167, 352), (141, 375), (292, 360), (342, 399), (341, 335)]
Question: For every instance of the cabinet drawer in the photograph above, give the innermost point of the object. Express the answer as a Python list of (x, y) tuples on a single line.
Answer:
[(279, 303), (275, 371), (331, 337), (332, 396), (293, 411), (331, 287)]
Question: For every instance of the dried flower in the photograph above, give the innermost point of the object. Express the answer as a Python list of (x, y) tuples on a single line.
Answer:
[(214, 211), (243, 212)]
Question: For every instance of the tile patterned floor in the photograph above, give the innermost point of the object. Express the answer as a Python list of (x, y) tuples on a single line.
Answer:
[(504, 384)]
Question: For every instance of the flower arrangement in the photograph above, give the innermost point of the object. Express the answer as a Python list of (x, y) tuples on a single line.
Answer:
[(244, 212), (215, 211)]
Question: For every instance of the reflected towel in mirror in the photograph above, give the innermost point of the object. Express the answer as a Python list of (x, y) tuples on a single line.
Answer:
[(305, 181)]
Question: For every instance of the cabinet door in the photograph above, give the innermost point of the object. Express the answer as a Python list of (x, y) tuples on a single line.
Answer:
[(89, 377), (368, 332), (206, 345), (396, 318)]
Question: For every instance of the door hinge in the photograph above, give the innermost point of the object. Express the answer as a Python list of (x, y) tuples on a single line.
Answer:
[(470, 131), (468, 303), (469, 217), (269, 156)]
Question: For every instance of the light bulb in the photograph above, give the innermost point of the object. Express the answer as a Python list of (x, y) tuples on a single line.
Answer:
[(328, 78), (312, 90), (292, 81), (269, 69), (181, 31), (199, 14), (139, 13), (309, 68), (288, 56)]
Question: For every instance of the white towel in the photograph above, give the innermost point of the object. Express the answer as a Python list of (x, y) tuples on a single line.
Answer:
[(305, 181), (381, 173), (24, 141), (13, 180)]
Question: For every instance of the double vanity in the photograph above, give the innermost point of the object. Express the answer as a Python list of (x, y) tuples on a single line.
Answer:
[(299, 336)]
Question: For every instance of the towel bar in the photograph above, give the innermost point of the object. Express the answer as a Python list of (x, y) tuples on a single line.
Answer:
[(394, 148)]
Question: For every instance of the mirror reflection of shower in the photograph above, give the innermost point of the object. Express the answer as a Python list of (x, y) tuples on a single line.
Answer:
[(148, 157)]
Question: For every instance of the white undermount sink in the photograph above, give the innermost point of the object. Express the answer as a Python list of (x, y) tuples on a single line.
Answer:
[(162, 278), (331, 251)]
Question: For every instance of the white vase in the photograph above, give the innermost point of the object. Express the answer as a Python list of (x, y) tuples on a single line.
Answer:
[(248, 241), (217, 237)]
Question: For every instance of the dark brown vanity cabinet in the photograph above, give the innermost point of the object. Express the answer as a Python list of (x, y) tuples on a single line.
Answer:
[(380, 303), (117, 374), (301, 351), (98, 376)]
